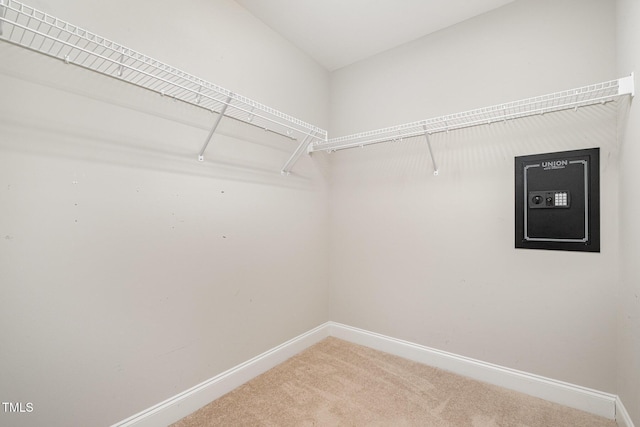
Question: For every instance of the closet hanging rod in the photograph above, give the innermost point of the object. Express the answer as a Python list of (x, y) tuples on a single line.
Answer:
[(30, 28), (568, 99)]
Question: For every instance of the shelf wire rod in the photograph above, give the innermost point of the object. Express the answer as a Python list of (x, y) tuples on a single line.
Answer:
[(92, 64), (63, 43), (105, 52), (160, 87), (13, 28), (53, 38), (113, 68), (213, 129), (24, 33), (3, 11), (110, 69), (184, 94), (82, 46), (131, 75), (141, 79), (103, 66), (43, 39), (48, 42)]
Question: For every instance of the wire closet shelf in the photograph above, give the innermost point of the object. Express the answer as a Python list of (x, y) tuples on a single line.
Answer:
[(28, 27), (568, 99)]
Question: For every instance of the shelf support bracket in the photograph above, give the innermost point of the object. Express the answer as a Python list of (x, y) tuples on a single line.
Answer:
[(121, 64), (302, 148), (213, 129), (433, 160)]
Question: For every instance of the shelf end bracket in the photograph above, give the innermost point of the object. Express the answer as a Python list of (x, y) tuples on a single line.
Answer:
[(227, 102), (626, 85)]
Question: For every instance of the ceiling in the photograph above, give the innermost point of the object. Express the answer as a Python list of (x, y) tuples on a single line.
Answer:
[(337, 33)]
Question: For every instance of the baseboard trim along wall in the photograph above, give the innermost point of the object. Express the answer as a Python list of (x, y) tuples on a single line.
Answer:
[(592, 401), (574, 396), (623, 419), (183, 404)]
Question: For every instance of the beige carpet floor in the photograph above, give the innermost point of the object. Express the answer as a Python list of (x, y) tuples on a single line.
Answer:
[(336, 383)]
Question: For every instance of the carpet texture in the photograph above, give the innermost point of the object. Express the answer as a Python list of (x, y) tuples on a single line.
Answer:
[(336, 383)]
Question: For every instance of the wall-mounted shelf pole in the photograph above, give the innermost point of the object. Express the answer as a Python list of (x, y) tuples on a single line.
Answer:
[(433, 159), (227, 102), (302, 148)]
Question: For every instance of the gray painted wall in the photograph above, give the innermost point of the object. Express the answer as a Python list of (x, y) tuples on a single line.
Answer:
[(628, 41), (432, 259), (130, 271)]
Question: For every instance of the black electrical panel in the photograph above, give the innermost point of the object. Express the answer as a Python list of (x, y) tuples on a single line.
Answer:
[(558, 201)]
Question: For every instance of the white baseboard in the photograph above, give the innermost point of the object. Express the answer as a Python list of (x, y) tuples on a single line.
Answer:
[(183, 404), (592, 401), (623, 419)]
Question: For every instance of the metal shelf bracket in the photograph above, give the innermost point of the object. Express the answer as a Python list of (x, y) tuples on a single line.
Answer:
[(121, 66), (227, 102), (301, 149), (433, 159)]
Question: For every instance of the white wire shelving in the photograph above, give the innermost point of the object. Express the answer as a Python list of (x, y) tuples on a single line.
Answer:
[(30, 28), (568, 99)]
